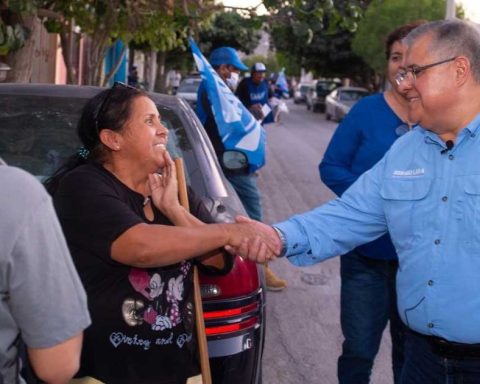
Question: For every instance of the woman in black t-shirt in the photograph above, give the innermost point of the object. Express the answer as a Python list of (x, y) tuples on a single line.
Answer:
[(133, 243)]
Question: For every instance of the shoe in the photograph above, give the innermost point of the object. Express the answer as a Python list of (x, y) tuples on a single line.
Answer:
[(273, 283)]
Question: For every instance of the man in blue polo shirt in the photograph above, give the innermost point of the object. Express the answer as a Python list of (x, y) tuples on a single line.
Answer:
[(426, 193), (254, 93)]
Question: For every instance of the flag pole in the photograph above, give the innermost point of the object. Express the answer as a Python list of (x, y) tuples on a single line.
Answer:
[(199, 320)]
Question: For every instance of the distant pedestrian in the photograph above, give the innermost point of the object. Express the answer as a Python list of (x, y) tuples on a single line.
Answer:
[(43, 305), (254, 93), (133, 76), (174, 79)]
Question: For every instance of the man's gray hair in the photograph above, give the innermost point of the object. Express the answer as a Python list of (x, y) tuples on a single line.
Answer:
[(451, 38)]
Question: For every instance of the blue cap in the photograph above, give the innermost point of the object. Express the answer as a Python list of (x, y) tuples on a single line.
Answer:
[(227, 55)]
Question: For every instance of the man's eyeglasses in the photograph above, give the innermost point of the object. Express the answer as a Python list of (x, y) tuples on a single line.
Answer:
[(116, 85), (414, 71)]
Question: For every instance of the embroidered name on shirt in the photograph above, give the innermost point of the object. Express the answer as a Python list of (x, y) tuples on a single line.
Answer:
[(410, 172)]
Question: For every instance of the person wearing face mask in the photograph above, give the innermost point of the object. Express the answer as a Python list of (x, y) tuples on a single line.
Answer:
[(254, 93), (227, 64)]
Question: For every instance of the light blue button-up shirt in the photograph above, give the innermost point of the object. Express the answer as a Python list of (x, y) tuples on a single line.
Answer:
[(428, 198)]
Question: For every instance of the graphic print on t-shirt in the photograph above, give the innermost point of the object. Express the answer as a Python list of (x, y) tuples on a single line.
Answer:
[(161, 310)]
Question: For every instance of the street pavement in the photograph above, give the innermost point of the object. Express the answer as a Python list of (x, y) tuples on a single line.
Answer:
[(303, 336)]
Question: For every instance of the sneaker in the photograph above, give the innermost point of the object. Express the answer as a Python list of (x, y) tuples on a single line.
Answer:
[(273, 283)]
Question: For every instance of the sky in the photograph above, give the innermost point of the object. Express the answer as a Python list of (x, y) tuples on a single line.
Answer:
[(472, 7)]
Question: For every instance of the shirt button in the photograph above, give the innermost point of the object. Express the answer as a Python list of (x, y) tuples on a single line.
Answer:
[(444, 198), (295, 246), (450, 157), (430, 282), (437, 241), (430, 325)]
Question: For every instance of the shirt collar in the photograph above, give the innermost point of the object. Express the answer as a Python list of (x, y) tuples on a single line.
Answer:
[(472, 129)]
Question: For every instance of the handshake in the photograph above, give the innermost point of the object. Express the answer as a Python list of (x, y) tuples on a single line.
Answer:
[(253, 240)]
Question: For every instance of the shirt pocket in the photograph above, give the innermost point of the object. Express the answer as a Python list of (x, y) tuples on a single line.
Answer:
[(469, 212), (404, 202)]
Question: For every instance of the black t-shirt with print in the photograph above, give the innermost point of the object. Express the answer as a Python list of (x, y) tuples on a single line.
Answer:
[(142, 319)]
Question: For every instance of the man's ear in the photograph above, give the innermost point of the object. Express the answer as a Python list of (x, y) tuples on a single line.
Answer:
[(463, 70), (110, 139)]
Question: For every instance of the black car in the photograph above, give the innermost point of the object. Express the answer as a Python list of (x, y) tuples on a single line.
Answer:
[(316, 94), (37, 130)]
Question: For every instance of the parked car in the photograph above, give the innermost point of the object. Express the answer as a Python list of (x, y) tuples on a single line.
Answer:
[(315, 97), (188, 89), (37, 127), (300, 93), (339, 101)]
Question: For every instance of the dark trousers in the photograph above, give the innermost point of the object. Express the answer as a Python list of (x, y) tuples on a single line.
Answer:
[(423, 366), (368, 302)]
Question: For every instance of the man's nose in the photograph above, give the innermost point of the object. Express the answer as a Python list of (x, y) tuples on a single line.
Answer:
[(406, 84)]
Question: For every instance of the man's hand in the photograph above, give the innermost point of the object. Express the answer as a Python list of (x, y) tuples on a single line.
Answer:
[(259, 242), (256, 111)]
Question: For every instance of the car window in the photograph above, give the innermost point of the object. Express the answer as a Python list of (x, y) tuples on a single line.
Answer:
[(325, 87), (39, 133), (189, 85), (352, 95)]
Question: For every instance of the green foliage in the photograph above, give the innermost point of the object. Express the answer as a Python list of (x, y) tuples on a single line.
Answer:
[(233, 30), (316, 35), (382, 17), (270, 62), (12, 37)]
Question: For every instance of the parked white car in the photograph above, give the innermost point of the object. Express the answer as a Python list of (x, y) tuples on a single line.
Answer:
[(339, 101), (188, 89)]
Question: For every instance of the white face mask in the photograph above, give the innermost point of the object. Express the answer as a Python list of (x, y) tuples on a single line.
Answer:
[(232, 81)]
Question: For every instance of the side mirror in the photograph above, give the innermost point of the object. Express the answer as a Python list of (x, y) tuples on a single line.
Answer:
[(235, 161)]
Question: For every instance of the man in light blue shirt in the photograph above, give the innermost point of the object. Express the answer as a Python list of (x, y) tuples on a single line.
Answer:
[(426, 193)]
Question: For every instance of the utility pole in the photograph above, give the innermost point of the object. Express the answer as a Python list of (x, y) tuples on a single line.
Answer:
[(450, 11)]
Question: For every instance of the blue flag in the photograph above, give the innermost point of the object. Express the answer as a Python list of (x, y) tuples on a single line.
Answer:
[(238, 129), (281, 84)]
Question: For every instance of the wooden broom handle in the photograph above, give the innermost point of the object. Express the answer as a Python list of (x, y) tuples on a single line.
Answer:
[(200, 324)]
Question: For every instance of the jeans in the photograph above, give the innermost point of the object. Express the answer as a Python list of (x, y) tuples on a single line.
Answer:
[(368, 302), (246, 188), (422, 366)]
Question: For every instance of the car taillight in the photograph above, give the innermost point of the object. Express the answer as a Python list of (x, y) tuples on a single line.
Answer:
[(241, 281), (232, 303), (228, 328), (230, 312)]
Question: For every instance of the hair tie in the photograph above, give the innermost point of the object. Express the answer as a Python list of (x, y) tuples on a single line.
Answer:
[(83, 153)]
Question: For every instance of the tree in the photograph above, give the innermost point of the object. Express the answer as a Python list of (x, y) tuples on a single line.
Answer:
[(233, 30), (383, 16), (316, 34), (157, 24)]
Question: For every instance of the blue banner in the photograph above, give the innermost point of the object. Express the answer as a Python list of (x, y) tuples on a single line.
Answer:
[(281, 84), (239, 130)]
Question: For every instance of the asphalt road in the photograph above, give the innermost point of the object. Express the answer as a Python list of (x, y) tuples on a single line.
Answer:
[(303, 337)]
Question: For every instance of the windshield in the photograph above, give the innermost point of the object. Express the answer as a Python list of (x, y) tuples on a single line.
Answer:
[(189, 86), (325, 87), (352, 95)]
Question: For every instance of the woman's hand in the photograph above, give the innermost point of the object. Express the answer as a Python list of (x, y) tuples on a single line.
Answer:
[(164, 188)]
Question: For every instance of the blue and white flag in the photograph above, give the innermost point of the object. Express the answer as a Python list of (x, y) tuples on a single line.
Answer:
[(239, 130), (281, 84)]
